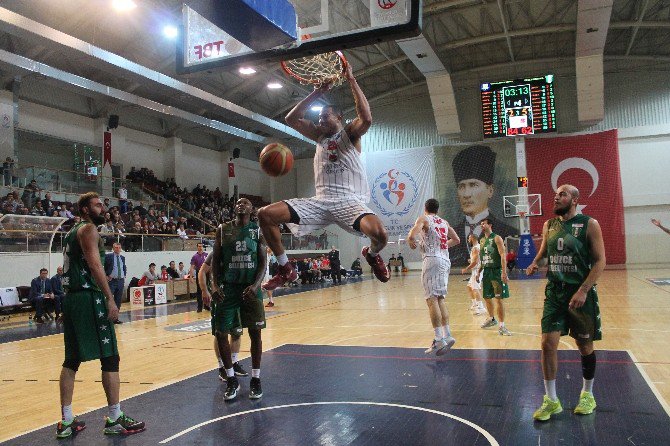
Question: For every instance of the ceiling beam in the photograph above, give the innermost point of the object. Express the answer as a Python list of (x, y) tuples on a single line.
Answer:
[(640, 17), (501, 9)]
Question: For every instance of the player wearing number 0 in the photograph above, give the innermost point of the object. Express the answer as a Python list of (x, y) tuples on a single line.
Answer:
[(573, 244), (342, 189), (435, 237), (238, 267)]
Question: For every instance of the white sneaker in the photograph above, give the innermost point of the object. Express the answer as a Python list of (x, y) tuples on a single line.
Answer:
[(473, 306), (436, 346), (479, 310), (449, 342), (503, 331), (490, 322)]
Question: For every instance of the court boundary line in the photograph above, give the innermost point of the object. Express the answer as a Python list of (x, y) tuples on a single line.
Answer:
[(492, 441), (650, 383)]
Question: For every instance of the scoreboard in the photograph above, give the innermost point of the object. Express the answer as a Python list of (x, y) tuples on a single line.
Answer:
[(518, 107)]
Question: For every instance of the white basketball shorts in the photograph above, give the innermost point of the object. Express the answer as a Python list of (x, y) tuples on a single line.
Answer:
[(317, 213), (472, 283), (435, 276)]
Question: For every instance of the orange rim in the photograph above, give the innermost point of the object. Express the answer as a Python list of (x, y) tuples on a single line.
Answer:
[(301, 79)]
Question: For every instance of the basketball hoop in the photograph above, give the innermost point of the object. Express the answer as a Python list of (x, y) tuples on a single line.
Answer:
[(318, 69)]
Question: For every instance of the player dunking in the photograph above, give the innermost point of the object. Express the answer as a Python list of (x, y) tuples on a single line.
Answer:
[(435, 237), (342, 189), (575, 249)]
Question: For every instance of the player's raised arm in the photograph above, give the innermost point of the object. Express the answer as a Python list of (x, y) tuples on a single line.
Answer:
[(296, 117), (359, 126)]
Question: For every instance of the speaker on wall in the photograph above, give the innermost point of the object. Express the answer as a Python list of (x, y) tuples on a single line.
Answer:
[(236, 152), (113, 122)]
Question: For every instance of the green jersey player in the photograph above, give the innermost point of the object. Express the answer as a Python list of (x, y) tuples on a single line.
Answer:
[(573, 244), (238, 268)]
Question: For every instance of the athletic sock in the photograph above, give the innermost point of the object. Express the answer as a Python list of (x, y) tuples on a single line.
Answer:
[(446, 330), (255, 373), (550, 389), (114, 411), (67, 413), (282, 259), (438, 333), (587, 386), (230, 372), (234, 357), (220, 362), (502, 324)]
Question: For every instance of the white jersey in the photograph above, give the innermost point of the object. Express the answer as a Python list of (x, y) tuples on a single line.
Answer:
[(473, 251), (473, 282), (339, 170), (434, 241)]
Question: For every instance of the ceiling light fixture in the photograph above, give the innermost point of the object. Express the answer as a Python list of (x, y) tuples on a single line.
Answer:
[(170, 31), (317, 108), (247, 70), (274, 85), (124, 5)]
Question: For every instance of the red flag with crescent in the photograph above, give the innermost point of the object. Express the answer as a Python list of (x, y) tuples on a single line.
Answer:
[(590, 163), (231, 170), (107, 149)]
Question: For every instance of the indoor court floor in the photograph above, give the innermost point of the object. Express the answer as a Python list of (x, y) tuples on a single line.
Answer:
[(345, 365)]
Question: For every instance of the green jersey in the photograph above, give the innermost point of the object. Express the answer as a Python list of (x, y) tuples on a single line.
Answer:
[(488, 252), (568, 250), (239, 253), (76, 272)]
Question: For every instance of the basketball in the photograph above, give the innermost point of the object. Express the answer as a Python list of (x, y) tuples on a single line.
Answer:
[(276, 159)]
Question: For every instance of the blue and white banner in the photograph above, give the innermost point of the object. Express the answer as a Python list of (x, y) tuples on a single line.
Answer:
[(400, 183)]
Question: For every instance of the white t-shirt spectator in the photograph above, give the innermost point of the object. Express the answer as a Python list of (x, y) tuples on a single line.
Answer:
[(122, 193), (182, 233)]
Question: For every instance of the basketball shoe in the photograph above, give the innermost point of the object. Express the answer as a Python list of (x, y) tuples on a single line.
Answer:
[(124, 425), (587, 404), (239, 371), (284, 274), (490, 322), (64, 430), (255, 389), (231, 389), (377, 264), (547, 409), (439, 346)]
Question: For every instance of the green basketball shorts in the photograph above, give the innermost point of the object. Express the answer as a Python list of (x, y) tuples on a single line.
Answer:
[(87, 332), (492, 284), (581, 323), (234, 313)]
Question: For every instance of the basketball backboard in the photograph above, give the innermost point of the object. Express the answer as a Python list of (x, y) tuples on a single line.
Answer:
[(321, 26)]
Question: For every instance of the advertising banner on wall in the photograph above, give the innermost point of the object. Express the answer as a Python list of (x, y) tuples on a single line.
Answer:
[(400, 182), (471, 181), (590, 163)]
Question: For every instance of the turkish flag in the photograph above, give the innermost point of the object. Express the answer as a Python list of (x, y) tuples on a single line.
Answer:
[(591, 164), (107, 149), (231, 170)]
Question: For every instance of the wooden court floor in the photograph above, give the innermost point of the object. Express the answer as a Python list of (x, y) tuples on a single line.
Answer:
[(635, 315)]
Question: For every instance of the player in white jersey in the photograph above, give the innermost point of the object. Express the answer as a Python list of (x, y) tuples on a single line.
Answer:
[(435, 237), (474, 284), (342, 189)]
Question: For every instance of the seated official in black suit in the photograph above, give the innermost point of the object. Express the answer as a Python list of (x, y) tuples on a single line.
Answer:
[(57, 289), (40, 289)]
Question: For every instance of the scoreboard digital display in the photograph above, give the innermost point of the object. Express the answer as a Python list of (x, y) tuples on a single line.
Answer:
[(518, 107)]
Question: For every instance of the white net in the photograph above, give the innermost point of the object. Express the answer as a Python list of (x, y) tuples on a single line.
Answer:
[(318, 69)]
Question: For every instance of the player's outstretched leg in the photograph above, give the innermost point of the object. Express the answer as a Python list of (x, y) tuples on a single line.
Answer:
[(270, 217), (373, 227)]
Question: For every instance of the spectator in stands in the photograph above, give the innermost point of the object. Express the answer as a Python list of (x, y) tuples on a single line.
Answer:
[(8, 171), (164, 275), (47, 204), (116, 271), (64, 212), (304, 271), (122, 193), (356, 267), (40, 289), (511, 259), (106, 203), (37, 209), (196, 262), (316, 270), (182, 272), (149, 277), (401, 259), (30, 194), (172, 270), (324, 267), (57, 289)]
